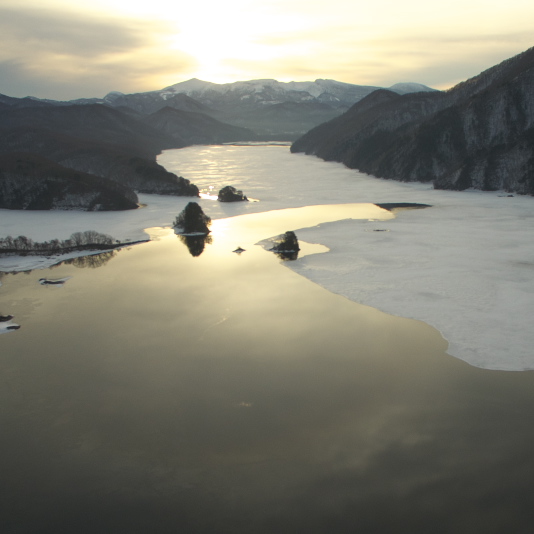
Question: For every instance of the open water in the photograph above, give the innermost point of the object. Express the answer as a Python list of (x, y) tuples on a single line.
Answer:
[(158, 391)]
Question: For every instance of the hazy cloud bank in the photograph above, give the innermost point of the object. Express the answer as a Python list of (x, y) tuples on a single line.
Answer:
[(56, 49), (54, 54)]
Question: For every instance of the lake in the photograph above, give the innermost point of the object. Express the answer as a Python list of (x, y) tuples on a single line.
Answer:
[(157, 391)]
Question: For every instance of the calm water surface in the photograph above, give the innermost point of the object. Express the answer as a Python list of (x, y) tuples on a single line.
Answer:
[(161, 392)]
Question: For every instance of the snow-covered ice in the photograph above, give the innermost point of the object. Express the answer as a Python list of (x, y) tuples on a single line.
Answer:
[(8, 325), (464, 265), (466, 270), (54, 282)]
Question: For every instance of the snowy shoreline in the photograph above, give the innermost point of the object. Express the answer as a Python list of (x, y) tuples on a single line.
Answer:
[(12, 263), (465, 265)]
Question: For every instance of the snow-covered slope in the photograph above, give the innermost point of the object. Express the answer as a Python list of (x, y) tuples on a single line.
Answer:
[(273, 91), (270, 107), (410, 87)]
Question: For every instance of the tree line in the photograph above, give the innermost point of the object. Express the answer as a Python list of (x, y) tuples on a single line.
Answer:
[(77, 241)]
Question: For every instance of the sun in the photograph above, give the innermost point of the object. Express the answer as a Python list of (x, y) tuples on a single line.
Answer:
[(224, 39)]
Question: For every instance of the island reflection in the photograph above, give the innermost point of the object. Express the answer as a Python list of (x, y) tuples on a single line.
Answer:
[(195, 243)]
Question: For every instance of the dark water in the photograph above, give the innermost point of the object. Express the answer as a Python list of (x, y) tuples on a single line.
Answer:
[(162, 392)]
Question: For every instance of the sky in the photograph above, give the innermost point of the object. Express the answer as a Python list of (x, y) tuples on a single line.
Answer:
[(65, 50)]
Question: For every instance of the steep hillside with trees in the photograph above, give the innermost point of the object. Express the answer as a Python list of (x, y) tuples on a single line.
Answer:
[(478, 134), (95, 140), (192, 128), (29, 181)]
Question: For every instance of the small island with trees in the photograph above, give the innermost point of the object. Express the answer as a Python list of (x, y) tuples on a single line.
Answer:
[(231, 194), (192, 221), (193, 227), (287, 246)]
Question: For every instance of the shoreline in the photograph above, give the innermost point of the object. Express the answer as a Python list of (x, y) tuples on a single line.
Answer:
[(34, 260), (464, 267), (395, 206)]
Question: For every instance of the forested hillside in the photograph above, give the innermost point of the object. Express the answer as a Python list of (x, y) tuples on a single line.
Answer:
[(479, 134)]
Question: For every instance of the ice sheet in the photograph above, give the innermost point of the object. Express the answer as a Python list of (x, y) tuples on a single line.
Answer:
[(469, 273)]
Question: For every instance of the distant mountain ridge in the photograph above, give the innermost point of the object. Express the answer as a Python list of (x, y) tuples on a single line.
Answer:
[(269, 108), (479, 134), (270, 91), (190, 127)]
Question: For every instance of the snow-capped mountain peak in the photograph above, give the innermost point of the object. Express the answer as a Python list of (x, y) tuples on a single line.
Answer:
[(189, 86), (410, 87)]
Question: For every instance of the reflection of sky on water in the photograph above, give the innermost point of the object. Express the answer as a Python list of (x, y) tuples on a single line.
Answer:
[(445, 265), (224, 393), (208, 196)]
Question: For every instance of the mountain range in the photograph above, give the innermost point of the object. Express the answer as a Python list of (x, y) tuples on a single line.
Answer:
[(268, 108), (479, 134), (97, 154)]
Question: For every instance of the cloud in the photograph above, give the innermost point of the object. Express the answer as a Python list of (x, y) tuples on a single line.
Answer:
[(438, 59), (441, 61), (62, 53), (64, 33), (68, 55)]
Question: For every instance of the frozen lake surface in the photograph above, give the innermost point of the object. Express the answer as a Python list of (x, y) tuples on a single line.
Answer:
[(464, 266)]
